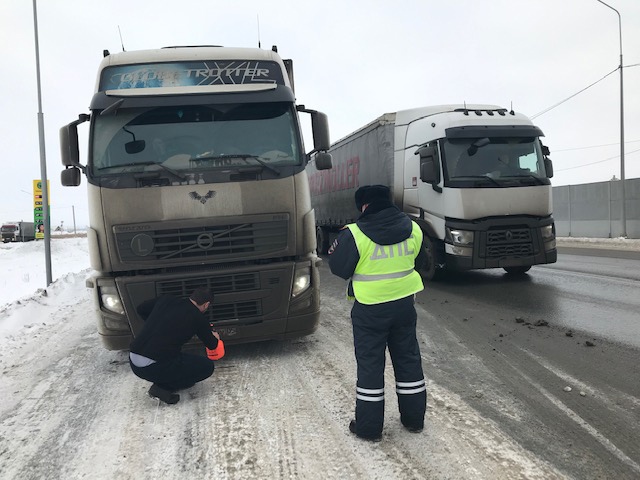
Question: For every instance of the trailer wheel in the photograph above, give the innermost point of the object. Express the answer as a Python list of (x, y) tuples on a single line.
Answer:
[(322, 240), (430, 271), (517, 270)]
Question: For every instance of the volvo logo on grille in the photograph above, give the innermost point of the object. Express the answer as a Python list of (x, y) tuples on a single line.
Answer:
[(508, 235), (142, 245), (204, 241), (202, 199)]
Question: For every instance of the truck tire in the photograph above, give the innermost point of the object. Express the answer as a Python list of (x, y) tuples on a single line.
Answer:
[(322, 240), (517, 270), (430, 271)]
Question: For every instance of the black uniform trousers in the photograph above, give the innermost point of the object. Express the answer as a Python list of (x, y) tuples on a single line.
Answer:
[(375, 327), (176, 373)]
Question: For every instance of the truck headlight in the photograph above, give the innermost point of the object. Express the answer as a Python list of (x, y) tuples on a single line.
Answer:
[(459, 237), (110, 299), (547, 232), (548, 237), (301, 281)]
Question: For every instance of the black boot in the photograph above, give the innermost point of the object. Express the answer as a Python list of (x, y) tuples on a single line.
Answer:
[(164, 395), (374, 438)]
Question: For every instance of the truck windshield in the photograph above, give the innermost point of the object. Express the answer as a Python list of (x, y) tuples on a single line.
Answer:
[(200, 138), (493, 161)]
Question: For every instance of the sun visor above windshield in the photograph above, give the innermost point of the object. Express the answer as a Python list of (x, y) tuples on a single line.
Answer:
[(114, 100), (195, 90), (481, 131)]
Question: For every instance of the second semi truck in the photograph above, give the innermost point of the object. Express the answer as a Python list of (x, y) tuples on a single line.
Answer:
[(474, 177)]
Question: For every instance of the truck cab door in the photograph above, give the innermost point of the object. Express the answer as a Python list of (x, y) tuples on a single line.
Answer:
[(430, 191)]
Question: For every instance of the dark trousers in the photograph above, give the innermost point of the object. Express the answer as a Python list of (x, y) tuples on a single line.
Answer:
[(376, 327), (177, 373)]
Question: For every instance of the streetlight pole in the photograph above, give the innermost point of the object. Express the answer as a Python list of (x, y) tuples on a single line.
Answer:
[(624, 206), (43, 160)]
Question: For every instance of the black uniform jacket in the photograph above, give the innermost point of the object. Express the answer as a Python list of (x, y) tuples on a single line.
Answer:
[(384, 224), (170, 322)]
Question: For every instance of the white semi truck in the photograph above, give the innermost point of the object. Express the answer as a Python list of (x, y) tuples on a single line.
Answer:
[(18, 231), (474, 177), (196, 177)]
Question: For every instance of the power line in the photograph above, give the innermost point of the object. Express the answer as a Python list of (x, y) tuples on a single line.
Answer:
[(593, 146), (569, 98), (594, 163), (577, 93)]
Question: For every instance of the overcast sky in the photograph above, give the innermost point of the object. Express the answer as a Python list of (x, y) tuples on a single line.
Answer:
[(354, 60)]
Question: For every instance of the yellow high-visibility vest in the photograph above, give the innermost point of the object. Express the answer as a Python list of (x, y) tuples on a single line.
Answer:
[(386, 272)]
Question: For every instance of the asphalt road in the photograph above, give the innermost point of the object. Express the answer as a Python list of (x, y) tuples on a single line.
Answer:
[(510, 347)]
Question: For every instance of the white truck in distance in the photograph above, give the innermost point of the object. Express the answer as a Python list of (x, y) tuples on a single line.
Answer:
[(474, 177), (18, 232), (196, 177)]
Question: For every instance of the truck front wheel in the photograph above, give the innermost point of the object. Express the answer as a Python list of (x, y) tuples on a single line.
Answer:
[(322, 240), (517, 270), (430, 270)]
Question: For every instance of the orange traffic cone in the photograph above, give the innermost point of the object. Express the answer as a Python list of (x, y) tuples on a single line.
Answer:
[(217, 353)]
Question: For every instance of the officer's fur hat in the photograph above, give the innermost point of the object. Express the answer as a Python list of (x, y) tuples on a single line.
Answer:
[(370, 193)]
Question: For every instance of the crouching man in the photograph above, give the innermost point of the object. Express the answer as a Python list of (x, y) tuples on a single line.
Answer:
[(156, 353)]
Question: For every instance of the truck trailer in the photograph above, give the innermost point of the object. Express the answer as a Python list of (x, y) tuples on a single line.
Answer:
[(18, 232), (474, 177), (196, 178)]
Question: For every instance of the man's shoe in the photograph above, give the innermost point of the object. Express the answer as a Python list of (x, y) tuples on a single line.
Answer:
[(413, 429), (163, 395), (352, 429)]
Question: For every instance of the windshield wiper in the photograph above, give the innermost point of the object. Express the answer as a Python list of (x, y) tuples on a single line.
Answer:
[(487, 177), (242, 156), (536, 179), (146, 164)]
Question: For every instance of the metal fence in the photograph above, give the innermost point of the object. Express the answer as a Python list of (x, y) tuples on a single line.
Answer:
[(595, 209)]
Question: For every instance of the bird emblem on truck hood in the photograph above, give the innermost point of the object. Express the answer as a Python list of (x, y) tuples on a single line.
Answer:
[(200, 198)]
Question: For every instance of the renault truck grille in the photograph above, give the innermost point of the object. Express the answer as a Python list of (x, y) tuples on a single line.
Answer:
[(516, 242), (202, 242)]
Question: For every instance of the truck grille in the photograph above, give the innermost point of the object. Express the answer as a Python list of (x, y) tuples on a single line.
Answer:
[(219, 284), (516, 242), (202, 242)]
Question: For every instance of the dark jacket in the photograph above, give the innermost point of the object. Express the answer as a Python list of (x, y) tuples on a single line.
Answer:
[(170, 322), (384, 224)]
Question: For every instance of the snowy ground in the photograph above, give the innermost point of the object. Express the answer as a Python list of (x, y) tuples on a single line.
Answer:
[(606, 243), (71, 409)]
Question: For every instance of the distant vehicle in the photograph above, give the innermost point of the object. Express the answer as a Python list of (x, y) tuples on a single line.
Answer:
[(196, 173), (18, 232), (474, 177)]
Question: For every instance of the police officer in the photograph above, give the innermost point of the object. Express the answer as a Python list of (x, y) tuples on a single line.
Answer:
[(379, 254)]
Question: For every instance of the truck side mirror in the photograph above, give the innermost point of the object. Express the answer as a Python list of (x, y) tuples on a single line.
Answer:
[(548, 167), (429, 171), (70, 177), (320, 128), (323, 161), (69, 152)]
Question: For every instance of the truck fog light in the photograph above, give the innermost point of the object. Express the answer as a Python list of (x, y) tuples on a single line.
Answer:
[(301, 281), (459, 237), (458, 251), (116, 324), (111, 300), (550, 245)]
